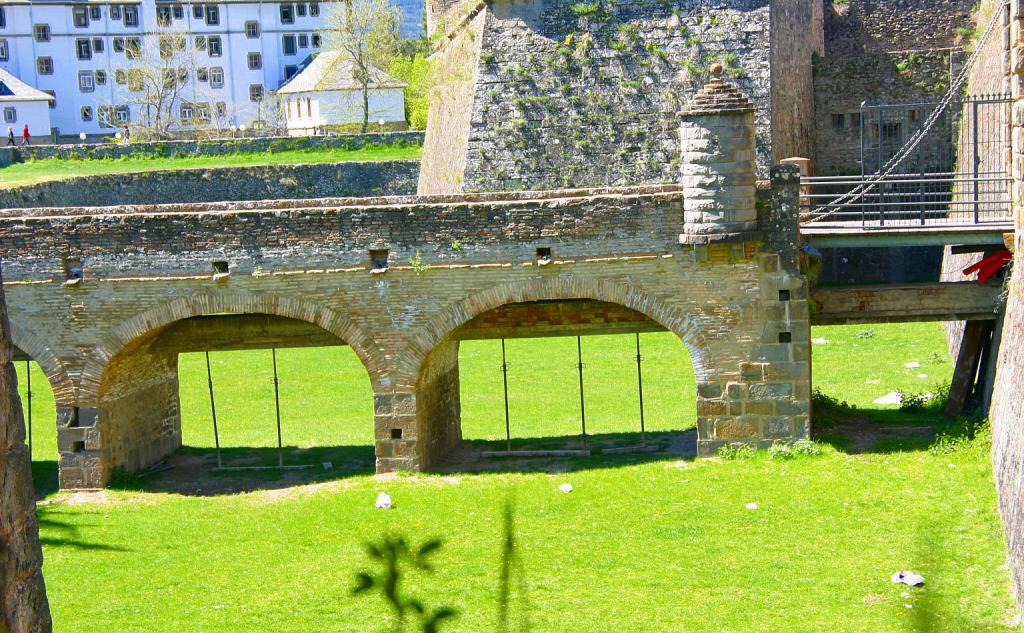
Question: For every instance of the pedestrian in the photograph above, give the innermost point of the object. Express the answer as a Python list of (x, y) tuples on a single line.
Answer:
[(26, 138), (127, 135), (10, 136)]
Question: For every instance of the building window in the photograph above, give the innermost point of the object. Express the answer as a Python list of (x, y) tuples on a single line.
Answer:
[(290, 70), (913, 115), (212, 15), (94, 13), (80, 16), (179, 12), (132, 48), (838, 121), (186, 112), (287, 14), (221, 109), (131, 16), (118, 44), (300, 9), (3, 18), (890, 132), (314, 9), (53, 101), (216, 77), (101, 77), (41, 32), (163, 15), (213, 46), (316, 40), (288, 43), (202, 74), (122, 114), (97, 44), (5, 53), (303, 41), (256, 92), (197, 11), (83, 48), (115, 12), (134, 79), (10, 115), (86, 113), (200, 41), (120, 77), (44, 65), (255, 61), (855, 119), (252, 30), (86, 81)]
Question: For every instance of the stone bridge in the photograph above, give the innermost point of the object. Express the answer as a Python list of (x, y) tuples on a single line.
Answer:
[(104, 299)]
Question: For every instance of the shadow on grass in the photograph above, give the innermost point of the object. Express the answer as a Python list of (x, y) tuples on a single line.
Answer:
[(54, 532)]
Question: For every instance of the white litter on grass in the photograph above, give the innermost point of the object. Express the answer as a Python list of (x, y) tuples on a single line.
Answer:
[(384, 501), (820, 341), (893, 397), (751, 506), (912, 365), (922, 376), (565, 487), (908, 578)]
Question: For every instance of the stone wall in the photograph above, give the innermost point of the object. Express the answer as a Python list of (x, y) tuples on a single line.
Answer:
[(1007, 412), (579, 94), (23, 604), (206, 147), (262, 182), (737, 303)]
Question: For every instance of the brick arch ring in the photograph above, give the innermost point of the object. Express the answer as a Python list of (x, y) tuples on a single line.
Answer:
[(206, 304), (677, 321), (56, 373)]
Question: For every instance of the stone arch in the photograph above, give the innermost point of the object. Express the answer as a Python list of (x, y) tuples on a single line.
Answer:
[(164, 314), (431, 362), (56, 373)]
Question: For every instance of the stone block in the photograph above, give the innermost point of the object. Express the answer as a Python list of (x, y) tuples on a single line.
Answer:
[(736, 429)]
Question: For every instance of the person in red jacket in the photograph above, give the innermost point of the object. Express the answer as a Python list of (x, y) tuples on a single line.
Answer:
[(25, 137)]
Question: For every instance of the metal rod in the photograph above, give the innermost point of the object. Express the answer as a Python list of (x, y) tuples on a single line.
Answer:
[(583, 407), (277, 410), (504, 383), (213, 408), (640, 390), (977, 158), (28, 393)]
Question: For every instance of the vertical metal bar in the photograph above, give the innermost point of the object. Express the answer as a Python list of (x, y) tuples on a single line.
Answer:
[(28, 393), (977, 159), (881, 161), (504, 384), (213, 408), (920, 167), (583, 408), (277, 410), (640, 390), (863, 164)]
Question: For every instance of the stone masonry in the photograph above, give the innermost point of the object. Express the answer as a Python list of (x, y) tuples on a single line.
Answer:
[(105, 302), (23, 604)]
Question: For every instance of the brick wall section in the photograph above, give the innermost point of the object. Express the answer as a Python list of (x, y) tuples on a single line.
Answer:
[(1007, 412), (23, 604), (149, 267), (211, 147), (264, 182), (552, 86)]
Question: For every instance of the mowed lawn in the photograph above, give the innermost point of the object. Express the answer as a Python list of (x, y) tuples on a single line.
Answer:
[(641, 544), (36, 171)]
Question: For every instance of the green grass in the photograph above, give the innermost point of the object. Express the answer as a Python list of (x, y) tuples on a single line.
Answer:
[(37, 171), (642, 544)]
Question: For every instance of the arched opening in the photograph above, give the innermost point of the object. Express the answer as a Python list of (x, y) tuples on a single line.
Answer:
[(572, 378), (40, 413), (154, 398)]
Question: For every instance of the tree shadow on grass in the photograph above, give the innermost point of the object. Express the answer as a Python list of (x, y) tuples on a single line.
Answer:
[(44, 477), (53, 532)]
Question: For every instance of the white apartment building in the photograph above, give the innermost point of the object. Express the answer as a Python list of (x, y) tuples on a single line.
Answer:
[(81, 53)]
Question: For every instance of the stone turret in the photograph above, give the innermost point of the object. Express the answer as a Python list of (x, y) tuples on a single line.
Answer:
[(719, 160)]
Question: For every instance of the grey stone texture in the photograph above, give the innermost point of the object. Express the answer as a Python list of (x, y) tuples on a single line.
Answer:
[(23, 604), (557, 94), (263, 182), (206, 147)]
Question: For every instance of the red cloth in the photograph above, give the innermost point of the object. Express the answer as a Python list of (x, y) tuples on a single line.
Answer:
[(989, 265)]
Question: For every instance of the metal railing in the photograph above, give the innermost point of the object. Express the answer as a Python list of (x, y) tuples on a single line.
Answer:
[(923, 199)]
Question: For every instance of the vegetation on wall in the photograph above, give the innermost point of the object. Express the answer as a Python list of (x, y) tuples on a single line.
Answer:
[(414, 70)]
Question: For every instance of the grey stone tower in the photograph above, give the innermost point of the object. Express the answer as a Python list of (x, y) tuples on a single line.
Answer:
[(719, 159)]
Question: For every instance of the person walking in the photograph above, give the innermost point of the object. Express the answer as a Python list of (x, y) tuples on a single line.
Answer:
[(26, 138), (10, 136), (127, 135)]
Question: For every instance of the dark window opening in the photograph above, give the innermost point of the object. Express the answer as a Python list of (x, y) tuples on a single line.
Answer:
[(396, 434), (784, 295), (73, 268), (891, 132), (78, 447), (543, 255), (838, 121), (220, 267), (379, 259), (785, 337)]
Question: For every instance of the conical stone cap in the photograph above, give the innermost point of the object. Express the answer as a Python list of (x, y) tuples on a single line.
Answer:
[(717, 97)]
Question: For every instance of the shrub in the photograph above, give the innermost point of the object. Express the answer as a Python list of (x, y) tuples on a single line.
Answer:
[(800, 448), (964, 434), (736, 451), (827, 410)]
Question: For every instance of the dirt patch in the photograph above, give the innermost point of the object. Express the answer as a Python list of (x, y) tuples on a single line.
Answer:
[(863, 434)]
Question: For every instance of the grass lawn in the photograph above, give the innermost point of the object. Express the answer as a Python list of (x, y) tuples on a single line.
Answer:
[(643, 543), (36, 171)]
